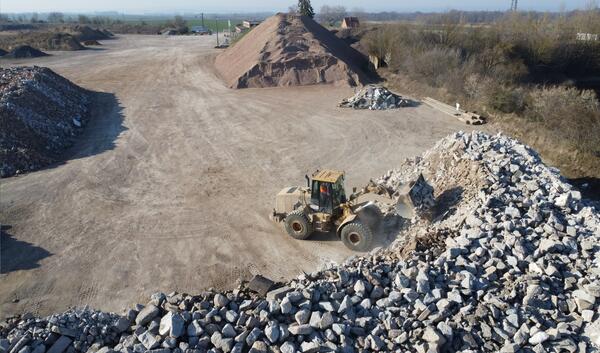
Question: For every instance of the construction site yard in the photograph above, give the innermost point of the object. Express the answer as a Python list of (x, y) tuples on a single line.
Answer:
[(171, 184)]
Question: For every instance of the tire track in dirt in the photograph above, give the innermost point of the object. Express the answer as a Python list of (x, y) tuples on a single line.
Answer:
[(180, 198)]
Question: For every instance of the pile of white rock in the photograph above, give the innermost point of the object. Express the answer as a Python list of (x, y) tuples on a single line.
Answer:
[(519, 273), (374, 97)]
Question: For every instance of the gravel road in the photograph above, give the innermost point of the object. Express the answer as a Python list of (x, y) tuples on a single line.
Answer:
[(171, 185)]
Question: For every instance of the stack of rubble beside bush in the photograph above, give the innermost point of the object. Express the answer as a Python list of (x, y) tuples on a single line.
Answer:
[(518, 273), (374, 97), (40, 113)]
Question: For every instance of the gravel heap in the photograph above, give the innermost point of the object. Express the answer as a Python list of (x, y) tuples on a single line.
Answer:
[(514, 267), (40, 114), (24, 51), (290, 50), (374, 97)]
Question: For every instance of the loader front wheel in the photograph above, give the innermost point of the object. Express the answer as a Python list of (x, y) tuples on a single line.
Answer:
[(357, 237), (297, 225)]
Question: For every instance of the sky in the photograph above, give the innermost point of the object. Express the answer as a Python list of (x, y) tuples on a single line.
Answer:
[(222, 6)]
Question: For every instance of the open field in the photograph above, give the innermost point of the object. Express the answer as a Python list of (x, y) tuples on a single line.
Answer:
[(171, 185)]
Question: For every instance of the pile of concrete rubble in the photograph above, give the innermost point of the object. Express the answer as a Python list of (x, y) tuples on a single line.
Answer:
[(374, 97), (40, 114), (510, 264)]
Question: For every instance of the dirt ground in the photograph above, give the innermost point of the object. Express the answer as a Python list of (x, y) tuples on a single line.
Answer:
[(171, 186)]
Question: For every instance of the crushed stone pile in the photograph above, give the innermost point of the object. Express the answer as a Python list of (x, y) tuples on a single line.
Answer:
[(25, 51), (374, 97), (85, 33), (290, 50), (40, 113), (514, 268)]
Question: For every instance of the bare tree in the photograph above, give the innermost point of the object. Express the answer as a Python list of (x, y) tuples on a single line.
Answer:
[(359, 12), (180, 24), (179, 21), (83, 19), (332, 14), (56, 17)]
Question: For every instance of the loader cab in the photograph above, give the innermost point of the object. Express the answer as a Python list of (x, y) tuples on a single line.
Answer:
[(327, 192)]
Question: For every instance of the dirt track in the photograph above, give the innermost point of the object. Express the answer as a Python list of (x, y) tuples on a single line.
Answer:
[(171, 186)]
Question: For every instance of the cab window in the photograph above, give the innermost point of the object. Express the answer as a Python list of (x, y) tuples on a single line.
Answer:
[(339, 195), (314, 194), (322, 196)]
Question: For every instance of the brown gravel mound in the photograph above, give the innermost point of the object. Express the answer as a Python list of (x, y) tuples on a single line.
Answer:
[(41, 40), (290, 50)]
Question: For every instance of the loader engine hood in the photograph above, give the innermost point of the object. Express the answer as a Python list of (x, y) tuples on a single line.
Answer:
[(289, 198)]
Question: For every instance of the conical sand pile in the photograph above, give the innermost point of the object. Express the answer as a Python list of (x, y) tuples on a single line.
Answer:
[(290, 50)]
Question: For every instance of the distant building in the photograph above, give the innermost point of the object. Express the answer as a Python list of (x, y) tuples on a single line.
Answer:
[(350, 22), (250, 24), (587, 37)]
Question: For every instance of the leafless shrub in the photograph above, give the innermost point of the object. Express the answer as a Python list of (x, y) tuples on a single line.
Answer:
[(570, 113)]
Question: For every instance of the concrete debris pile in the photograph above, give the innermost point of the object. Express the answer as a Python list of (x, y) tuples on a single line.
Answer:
[(513, 269), (40, 114), (74, 329), (374, 97)]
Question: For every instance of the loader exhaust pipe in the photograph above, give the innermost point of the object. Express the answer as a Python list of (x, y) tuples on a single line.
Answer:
[(307, 180)]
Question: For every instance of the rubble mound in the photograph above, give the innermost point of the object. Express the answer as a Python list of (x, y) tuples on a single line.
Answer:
[(374, 97), (40, 114), (25, 51), (514, 269), (290, 50), (84, 33)]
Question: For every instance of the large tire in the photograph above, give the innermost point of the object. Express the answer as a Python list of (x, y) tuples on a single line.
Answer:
[(297, 225), (370, 216), (357, 237)]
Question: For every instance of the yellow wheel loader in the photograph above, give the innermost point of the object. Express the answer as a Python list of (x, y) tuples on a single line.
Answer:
[(323, 206)]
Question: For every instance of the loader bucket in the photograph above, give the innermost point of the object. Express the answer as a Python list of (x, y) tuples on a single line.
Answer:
[(415, 198)]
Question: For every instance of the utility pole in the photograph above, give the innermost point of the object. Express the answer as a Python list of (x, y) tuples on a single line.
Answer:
[(217, 26)]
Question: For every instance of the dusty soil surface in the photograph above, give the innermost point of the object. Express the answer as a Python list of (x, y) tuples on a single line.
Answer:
[(171, 185)]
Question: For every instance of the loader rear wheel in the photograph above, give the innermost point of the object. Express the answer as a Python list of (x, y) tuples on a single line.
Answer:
[(356, 236), (297, 225)]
